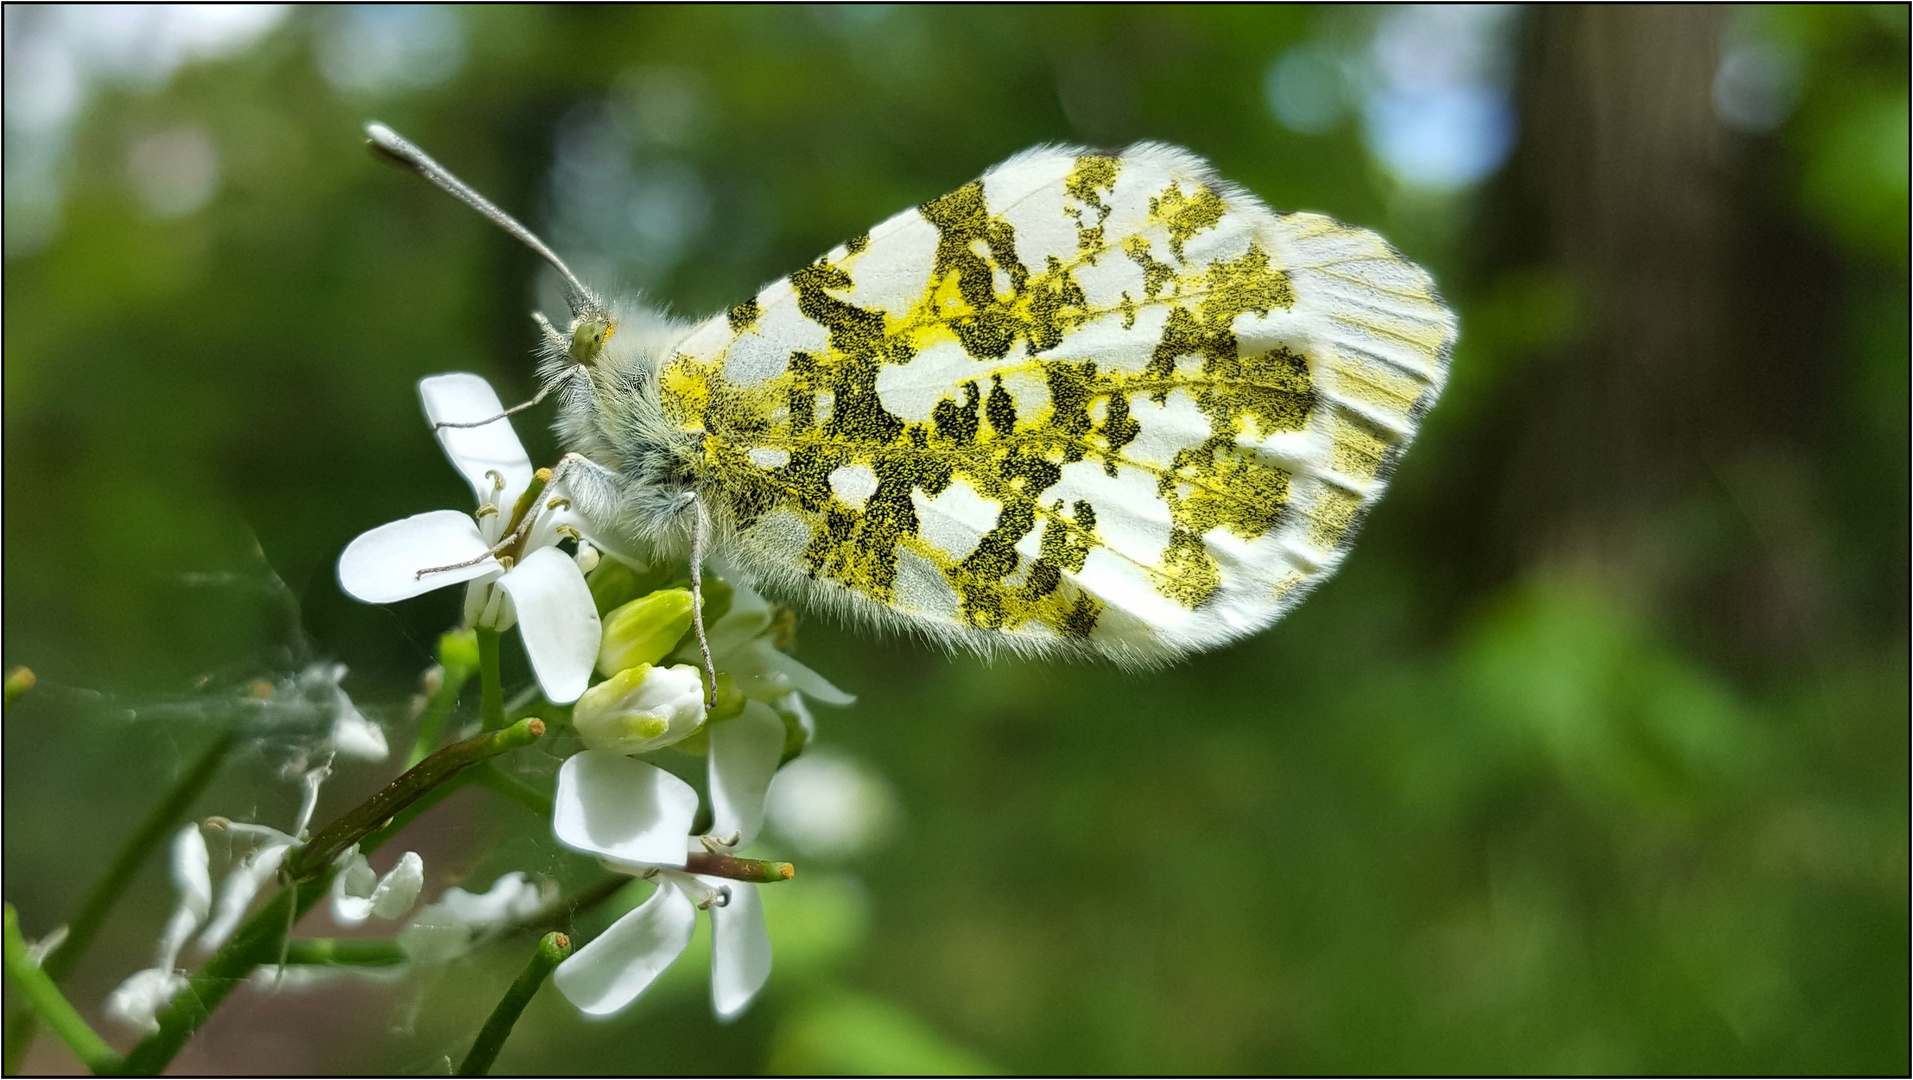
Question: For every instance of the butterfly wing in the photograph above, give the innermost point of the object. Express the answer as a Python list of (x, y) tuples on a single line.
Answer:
[(1100, 404)]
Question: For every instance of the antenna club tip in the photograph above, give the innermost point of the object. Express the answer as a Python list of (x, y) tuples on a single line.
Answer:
[(381, 134)]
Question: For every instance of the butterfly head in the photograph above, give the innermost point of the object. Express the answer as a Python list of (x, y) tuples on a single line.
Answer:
[(589, 332)]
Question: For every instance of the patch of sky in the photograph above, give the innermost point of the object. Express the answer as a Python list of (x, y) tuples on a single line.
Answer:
[(1437, 105), (623, 200), (56, 55), (376, 49), (1758, 81)]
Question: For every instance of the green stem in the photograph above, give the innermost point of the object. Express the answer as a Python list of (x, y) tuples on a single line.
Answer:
[(490, 687), (372, 814), (152, 833), (259, 942), (262, 939), (361, 952), (377, 837), (730, 866), (99, 903), (46, 999), (431, 723), (551, 951), (503, 783)]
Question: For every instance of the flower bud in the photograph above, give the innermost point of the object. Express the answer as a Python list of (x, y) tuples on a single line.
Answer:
[(615, 583), (644, 631), (640, 709)]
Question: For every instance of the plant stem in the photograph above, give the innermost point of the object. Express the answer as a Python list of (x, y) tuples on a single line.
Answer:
[(263, 937), (551, 950), (361, 952), (730, 866), (152, 833), (258, 943), (46, 999), (99, 903), (372, 814), (490, 687), (499, 781), (431, 723)]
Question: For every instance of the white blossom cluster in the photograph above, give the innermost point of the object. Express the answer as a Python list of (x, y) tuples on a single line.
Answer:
[(632, 815)]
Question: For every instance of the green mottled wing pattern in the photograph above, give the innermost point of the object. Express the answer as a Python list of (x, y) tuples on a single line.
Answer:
[(1094, 404)]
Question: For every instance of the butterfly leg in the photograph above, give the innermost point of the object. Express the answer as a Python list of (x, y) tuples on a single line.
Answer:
[(700, 540), (543, 391)]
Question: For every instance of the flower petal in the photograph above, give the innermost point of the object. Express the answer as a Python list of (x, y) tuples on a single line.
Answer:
[(382, 566), (448, 929), (193, 879), (352, 887), (621, 808), (243, 882), (399, 887), (740, 948), (462, 397), (357, 738), (744, 756), (558, 619), (138, 1000), (512, 898), (807, 682), (610, 972), (191, 870)]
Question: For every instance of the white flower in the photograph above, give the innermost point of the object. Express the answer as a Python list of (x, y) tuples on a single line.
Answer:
[(637, 819), (540, 589), (358, 893), (459, 920), (137, 1001), (244, 881), (641, 708), (741, 647)]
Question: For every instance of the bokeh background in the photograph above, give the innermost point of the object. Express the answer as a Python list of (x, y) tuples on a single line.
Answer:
[(1593, 758)]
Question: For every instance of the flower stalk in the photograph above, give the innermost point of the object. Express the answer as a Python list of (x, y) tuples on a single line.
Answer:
[(551, 951), (730, 866), (490, 684), (151, 834), (361, 821), (504, 784), (356, 952), (458, 660), (46, 999), (260, 941), (308, 872)]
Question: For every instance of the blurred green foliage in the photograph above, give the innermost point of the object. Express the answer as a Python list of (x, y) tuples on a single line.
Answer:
[(1480, 805)]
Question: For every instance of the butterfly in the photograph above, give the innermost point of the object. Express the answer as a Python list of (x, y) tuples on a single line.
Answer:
[(1090, 404)]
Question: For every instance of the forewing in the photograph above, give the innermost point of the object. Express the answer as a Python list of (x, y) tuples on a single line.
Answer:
[(1089, 403)]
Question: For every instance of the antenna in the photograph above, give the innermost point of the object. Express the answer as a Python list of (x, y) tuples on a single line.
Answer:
[(395, 149)]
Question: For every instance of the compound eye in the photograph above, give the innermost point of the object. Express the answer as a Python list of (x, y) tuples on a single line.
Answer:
[(588, 337)]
